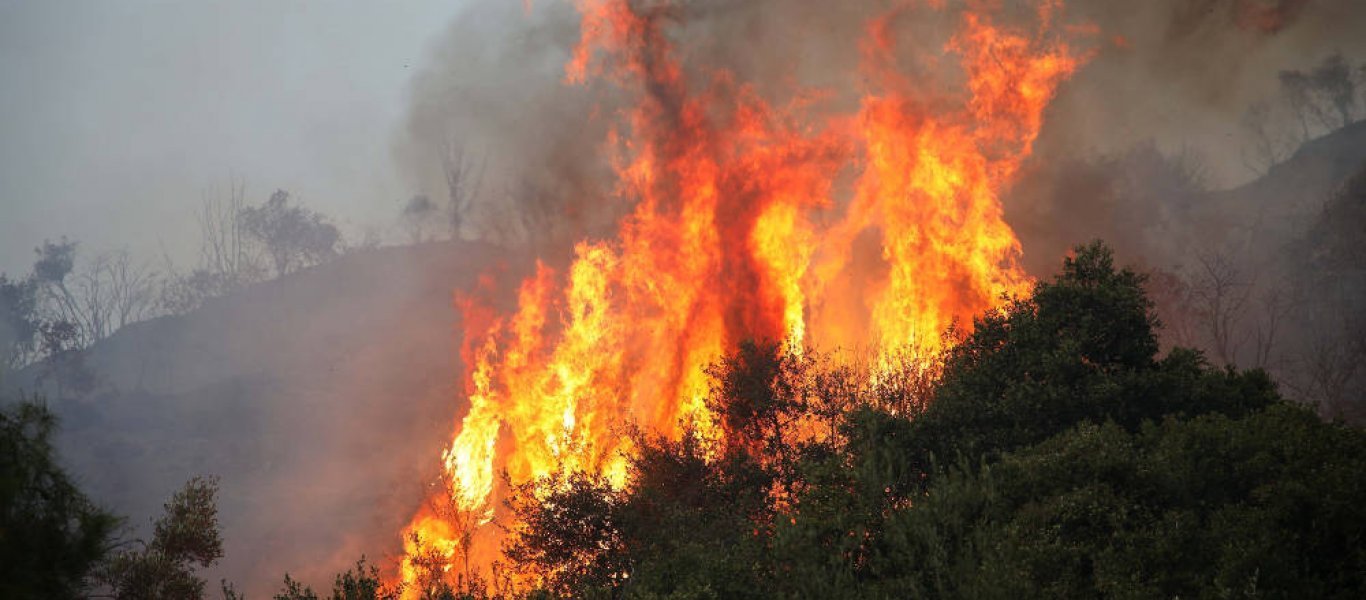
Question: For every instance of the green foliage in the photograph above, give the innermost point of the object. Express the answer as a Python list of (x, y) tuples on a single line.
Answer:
[(1266, 505), (184, 538), (361, 582), (1060, 457), (51, 535), (568, 534), (1083, 348)]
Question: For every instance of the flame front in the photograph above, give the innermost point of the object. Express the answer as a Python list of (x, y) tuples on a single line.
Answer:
[(748, 221)]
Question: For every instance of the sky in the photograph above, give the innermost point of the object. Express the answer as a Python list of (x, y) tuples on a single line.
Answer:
[(116, 117)]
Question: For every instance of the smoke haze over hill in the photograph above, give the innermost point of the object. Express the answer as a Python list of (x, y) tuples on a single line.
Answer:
[(325, 396)]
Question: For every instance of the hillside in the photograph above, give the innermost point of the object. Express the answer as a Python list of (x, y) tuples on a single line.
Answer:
[(321, 399), (1290, 199)]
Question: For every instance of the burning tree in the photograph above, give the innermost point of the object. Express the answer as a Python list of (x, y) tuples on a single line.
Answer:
[(747, 213)]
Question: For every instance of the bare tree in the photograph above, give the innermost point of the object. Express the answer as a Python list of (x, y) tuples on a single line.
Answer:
[(113, 292), (1275, 307), (464, 180), (224, 251), (1220, 295), (107, 293), (1172, 299), (1328, 363), (227, 259)]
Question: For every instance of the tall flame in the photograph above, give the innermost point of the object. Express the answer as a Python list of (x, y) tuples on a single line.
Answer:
[(746, 223)]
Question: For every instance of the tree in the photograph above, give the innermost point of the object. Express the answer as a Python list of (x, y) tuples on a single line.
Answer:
[(1082, 348), (223, 249), (19, 320), (186, 536), (107, 293), (1265, 505), (227, 259), (464, 180), (51, 535), (416, 215), (359, 583), (567, 538), (293, 237), (1059, 456), (1325, 95), (1335, 85)]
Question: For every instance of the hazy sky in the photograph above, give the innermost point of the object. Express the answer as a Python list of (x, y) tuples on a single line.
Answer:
[(115, 116)]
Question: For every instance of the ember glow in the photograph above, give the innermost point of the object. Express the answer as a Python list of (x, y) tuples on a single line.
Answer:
[(748, 215)]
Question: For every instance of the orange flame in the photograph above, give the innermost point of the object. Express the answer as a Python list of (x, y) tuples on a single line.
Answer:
[(746, 223)]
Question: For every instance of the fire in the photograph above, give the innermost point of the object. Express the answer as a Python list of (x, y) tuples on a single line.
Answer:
[(747, 220)]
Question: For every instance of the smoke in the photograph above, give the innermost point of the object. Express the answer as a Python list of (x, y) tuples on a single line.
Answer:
[(325, 428), (1155, 145), (491, 104), (1172, 76)]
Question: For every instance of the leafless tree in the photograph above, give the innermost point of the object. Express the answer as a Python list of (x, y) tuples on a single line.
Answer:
[(464, 180), (1275, 306), (1172, 299), (1220, 295), (227, 259), (1328, 363), (224, 251), (115, 292), (107, 293)]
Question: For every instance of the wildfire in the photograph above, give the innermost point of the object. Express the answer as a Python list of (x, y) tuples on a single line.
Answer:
[(747, 223)]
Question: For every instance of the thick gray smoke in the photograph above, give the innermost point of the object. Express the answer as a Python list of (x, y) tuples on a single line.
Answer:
[(1176, 75), (1176, 142), (324, 398)]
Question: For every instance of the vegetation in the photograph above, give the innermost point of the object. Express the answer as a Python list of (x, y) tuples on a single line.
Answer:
[(56, 543), (1052, 452), (69, 302), (1058, 456), (51, 535)]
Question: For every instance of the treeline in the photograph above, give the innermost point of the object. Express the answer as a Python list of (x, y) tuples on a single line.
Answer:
[(1309, 102), (69, 301), (1052, 452)]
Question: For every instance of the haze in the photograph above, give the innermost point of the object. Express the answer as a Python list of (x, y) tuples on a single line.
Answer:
[(117, 116)]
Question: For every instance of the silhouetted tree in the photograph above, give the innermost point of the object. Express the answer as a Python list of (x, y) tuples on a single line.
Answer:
[(417, 213), (19, 321), (1325, 95), (51, 535), (464, 180), (292, 237), (105, 294), (359, 583), (184, 538)]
